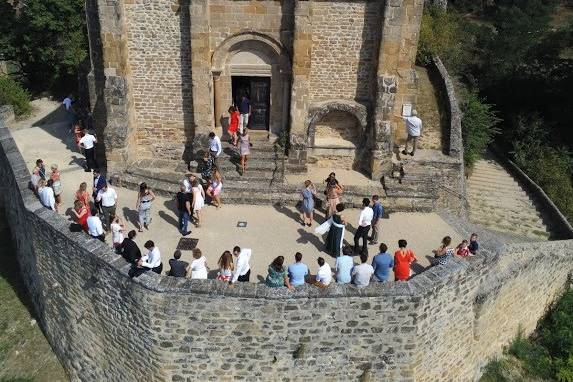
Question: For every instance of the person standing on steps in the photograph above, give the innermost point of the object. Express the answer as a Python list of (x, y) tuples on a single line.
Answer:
[(143, 205), (198, 201), (378, 214), (244, 149), (414, 130), (215, 188), (234, 117), (245, 111), (87, 143), (215, 147), (364, 222)]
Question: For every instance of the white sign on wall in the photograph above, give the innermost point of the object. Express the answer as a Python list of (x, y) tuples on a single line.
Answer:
[(407, 110)]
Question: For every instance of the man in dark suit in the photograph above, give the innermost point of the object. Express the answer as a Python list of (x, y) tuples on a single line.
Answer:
[(129, 249), (98, 183)]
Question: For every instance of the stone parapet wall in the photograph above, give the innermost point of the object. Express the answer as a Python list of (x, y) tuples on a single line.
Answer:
[(7, 114), (441, 325)]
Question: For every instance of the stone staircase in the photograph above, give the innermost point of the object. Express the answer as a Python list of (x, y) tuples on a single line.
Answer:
[(264, 181), (497, 201)]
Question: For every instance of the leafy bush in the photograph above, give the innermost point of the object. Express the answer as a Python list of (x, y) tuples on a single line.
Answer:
[(11, 93), (550, 167), (440, 34), (479, 123)]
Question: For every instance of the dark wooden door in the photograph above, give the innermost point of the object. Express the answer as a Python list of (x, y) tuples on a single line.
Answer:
[(260, 103)]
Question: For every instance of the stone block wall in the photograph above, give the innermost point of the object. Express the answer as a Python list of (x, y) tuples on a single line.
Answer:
[(158, 42), (441, 325), (345, 41)]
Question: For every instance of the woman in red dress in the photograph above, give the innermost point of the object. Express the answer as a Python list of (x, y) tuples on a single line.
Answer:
[(233, 123), (402, 259), (81, 214)]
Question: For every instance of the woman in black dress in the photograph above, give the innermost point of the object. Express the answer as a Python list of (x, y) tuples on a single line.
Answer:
[(335, 237)]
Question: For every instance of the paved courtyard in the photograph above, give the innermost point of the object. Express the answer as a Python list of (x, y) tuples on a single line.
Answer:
[(270, 231)]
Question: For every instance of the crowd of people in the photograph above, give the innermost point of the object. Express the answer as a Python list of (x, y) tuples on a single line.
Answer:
[(96, 215)]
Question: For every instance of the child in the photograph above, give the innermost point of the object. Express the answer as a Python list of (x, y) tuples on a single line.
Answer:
[(214, 189), (473, 246), (226, 266), (198, 201), (116, 232), (198, 265), (462, 249)]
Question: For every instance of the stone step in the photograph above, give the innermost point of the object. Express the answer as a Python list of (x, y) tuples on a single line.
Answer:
[(501, 196), (493, 180), (529, 214), (481, 186)]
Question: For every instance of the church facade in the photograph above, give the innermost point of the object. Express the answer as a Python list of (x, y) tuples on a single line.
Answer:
[(324, 78)]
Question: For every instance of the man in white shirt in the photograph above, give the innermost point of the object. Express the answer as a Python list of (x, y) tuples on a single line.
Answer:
[(215, 147), (151, 261), (188, 182), (87, 142), (361, 274), (242, 270), (323, 274), (108, 199), (414, 129), (95, 228), (364, 222), (46, 194), (67, 102)]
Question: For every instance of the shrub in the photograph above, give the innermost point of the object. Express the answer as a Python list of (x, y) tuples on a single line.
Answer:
[(439, 35), (479, 126), (11, 93), (548, 166)]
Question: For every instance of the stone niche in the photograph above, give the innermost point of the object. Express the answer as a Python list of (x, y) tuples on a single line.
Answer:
[(336, 132)]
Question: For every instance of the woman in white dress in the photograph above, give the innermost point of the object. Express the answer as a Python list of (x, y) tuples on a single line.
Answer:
[(198, 265), (198, 201)]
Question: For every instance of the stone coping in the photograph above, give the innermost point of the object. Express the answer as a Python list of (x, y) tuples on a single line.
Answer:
[(83, 245)]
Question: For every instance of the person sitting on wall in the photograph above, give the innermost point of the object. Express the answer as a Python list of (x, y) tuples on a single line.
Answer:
[(129, 249), (95, 228), (382, 263), (297, 271), (151, 261), (179, 268), (323, 274), (473, 245), (278, 274), (344, 266), (242, 271), (362, 273)]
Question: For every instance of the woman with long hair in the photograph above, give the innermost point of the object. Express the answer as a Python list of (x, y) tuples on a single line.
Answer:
[(215, 188), (333, 191), (307, 206), (278, 274), (245, 149), (81, 214), (198, 201), (444, 252), (55, 176), (233, 124), (226, 266), (82, 194), (145, 198)]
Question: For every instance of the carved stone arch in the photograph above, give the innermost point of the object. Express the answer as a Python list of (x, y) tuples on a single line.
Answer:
[(252, 54), (319, 110)]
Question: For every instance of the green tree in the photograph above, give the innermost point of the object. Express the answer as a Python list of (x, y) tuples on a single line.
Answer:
[(46, 40), (11, 93)]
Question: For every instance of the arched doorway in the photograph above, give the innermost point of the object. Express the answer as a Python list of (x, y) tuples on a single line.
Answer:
[(256, 66)]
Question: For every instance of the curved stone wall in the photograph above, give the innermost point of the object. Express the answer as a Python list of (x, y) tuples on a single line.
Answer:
[(105, 326)]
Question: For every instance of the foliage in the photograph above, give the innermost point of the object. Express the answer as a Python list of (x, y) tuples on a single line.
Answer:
[(11, 93), (550, 167), (46, 40), (440, 34), (548, 354), (479, 123)]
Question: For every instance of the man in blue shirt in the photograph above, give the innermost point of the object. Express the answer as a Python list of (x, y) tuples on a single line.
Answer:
[(378, 214), (245, 111), (297, 271), (382, 263), (344, 265)]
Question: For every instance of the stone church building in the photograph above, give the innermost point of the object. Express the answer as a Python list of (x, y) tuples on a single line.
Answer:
[(324, 77)]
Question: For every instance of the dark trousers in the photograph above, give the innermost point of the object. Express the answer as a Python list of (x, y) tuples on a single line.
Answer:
[(90, 158), (245, 277), (100, 237), (361, 233), (215, 158), (108, 215), (183, 221), (136, 272)]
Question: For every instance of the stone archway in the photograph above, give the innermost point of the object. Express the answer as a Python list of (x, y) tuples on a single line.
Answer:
[(318, 111), (252, 55)]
